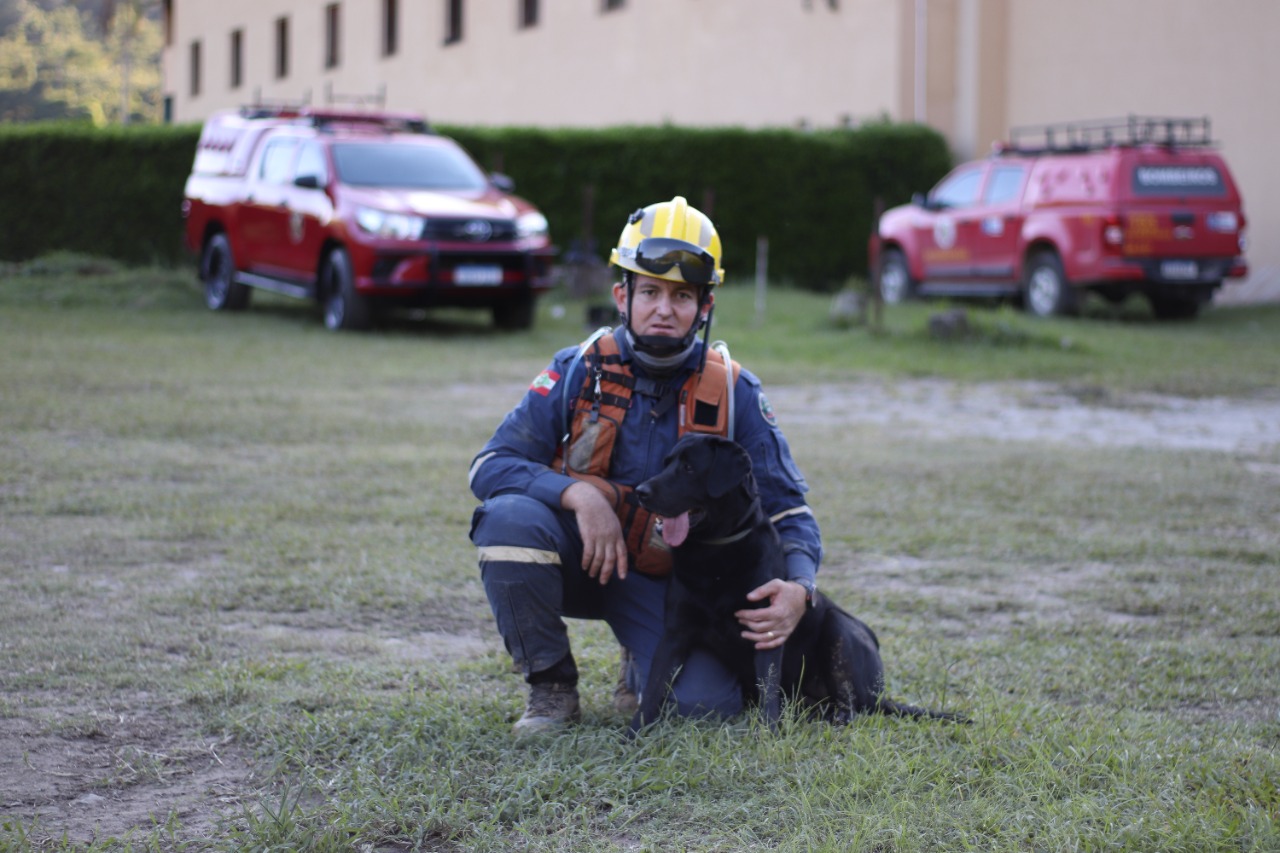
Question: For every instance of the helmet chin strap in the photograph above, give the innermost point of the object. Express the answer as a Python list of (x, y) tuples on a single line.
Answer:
[(663, 352), (706, 336), (659, 354)]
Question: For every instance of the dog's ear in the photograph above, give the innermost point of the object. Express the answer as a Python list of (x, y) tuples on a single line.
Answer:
[(729, 465)]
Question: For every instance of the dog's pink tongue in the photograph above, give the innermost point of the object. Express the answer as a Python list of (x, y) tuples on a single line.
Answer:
[(674, 530)]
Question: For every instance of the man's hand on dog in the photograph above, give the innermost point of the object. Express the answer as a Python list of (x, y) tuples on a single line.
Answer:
[(768, 627), (604, 550)]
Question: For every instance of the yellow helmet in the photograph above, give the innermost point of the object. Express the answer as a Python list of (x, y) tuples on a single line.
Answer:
[(670, 240)]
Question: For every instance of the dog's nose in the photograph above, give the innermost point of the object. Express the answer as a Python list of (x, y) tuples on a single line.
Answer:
[(644, 492)]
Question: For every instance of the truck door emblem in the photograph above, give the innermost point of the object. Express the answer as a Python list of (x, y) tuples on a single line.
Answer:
[(944, 232)]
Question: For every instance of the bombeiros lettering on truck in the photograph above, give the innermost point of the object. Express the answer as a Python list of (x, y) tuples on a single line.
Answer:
[(359, 211), (1116, 207), (1177, 177)]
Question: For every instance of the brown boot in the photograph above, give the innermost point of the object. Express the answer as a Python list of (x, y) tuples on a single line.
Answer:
[(551, 706), (624, 700)]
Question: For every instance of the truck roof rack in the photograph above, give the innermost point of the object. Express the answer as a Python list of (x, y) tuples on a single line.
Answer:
[(1098, 134), (324, 118), (273, 109)]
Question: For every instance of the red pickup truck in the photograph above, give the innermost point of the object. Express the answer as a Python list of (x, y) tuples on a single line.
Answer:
[(1116, 207), (358, 210)]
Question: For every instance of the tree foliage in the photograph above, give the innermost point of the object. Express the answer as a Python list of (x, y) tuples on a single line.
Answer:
[(96, 61)]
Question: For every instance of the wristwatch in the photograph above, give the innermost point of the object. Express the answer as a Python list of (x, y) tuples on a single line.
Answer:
[(810, 590)]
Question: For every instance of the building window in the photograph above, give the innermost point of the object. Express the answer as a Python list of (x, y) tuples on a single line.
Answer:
[(166, 10), (611, 5), (453, 22), (331, 36), (390, 27), (528, 13), (195, 68), (282, 48), (237, 58)]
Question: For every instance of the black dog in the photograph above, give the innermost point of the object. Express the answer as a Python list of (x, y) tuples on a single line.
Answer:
[(723, 547)]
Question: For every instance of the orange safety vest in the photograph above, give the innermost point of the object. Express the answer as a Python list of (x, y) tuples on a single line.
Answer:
[(598, 411)]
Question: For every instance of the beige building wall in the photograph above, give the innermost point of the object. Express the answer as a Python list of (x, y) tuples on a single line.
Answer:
[(985, 65), (727, 62)]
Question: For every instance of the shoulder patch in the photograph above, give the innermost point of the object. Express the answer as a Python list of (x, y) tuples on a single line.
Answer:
[(766, 411), (546, 380)]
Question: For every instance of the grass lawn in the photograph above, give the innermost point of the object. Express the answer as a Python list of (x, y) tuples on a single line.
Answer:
[(239, 609)]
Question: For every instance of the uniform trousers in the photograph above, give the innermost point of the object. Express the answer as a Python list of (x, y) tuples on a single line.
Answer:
[(531, 566)]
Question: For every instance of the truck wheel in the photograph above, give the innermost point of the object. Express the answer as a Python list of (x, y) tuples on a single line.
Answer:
[(896, 285), (1047, 292), (515, 315), (218, 272), (344, 309)]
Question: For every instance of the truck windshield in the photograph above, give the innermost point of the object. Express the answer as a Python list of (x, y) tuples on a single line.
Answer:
[(407, 166)]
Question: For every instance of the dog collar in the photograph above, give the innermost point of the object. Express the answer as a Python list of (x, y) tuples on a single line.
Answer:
[(749, 517), (727, 539)]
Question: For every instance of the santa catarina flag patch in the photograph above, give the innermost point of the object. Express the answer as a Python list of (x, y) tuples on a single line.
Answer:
[(546, 380)]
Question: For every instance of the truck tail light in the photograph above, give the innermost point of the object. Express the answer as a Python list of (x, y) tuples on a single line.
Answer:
[(1112, 232), (1223, 221)]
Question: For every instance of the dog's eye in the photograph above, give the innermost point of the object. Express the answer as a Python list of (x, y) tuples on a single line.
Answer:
[(686, 468)]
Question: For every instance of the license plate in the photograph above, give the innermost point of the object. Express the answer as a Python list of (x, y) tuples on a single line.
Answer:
[(1179, 270), (477, 276)]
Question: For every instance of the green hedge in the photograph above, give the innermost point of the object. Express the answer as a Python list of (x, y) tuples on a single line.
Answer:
[(117, 192), (811, 194)]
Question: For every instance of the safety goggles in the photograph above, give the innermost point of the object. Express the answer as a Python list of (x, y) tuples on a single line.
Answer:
[(659, 254)]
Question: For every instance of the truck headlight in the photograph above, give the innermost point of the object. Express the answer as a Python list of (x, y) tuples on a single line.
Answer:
[(392, 226), (532, 224)]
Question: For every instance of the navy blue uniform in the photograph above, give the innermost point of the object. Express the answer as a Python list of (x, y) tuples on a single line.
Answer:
[(530, 551)]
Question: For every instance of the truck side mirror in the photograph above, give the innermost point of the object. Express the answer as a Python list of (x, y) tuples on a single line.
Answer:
[(502, 182), (307, 182), (919, 200)]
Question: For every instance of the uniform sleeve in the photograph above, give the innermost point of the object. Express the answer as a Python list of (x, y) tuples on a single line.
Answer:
[(782, 486), (518, 457)]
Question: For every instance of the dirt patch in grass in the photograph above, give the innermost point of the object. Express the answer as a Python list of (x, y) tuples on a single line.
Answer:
[(991, 601), (1040, 412), (94, 773)]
